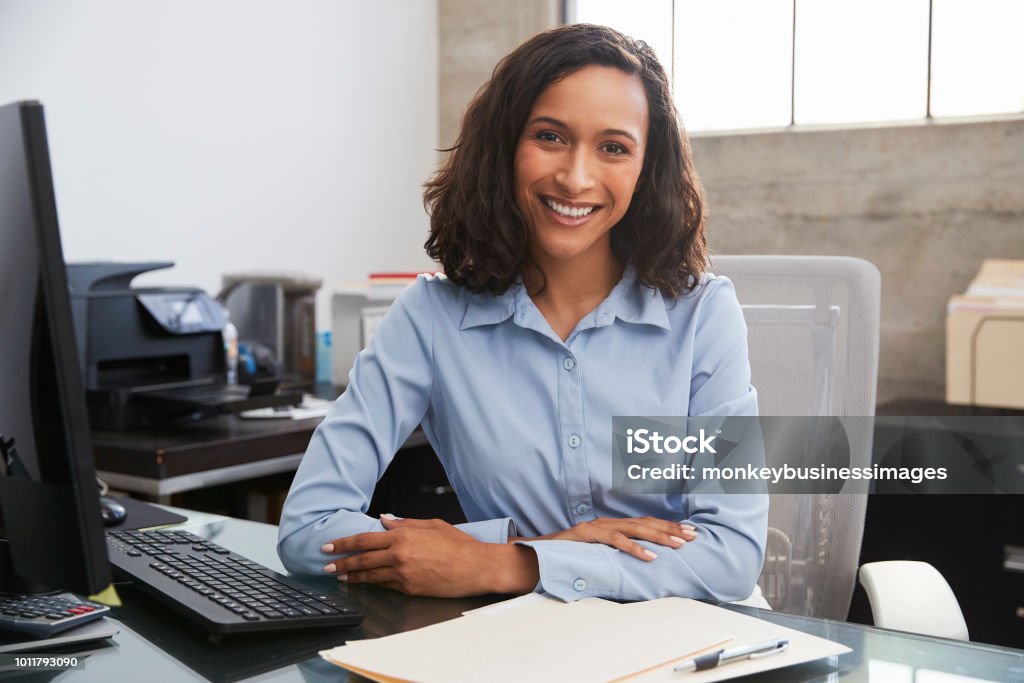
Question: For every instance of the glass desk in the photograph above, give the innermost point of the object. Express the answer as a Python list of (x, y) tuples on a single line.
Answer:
[(158, 646)]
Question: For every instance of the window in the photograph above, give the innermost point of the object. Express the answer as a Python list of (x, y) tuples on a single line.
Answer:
[(863, 61), (977, 57), (730, 74), (738, 64)]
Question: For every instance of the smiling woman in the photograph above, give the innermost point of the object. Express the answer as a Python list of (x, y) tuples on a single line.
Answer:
[(570, 225), (578, 162)]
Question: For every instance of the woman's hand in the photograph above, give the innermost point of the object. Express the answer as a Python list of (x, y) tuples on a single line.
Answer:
[(619, 533), (431, 557)]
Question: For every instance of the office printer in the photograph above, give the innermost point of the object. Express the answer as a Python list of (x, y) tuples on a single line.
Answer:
[(153, 354)]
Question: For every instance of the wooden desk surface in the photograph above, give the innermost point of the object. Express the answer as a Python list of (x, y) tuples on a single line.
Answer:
[(190, 447)]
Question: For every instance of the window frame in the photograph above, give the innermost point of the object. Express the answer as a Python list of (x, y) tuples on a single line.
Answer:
[(568, 10)]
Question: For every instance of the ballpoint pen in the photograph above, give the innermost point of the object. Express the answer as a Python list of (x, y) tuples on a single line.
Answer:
[(723, 656)]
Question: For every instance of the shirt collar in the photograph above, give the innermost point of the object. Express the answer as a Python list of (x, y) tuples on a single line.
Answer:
[(629, 301), (638, 303), (489, 309)]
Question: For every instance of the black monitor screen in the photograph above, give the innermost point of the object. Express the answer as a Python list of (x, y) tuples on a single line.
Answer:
[(50, 507)]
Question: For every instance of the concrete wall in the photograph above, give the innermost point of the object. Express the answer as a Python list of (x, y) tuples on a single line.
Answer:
[(924, 203), (474, 35)]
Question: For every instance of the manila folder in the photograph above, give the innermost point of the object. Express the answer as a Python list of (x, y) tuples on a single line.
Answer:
[(585, 641)]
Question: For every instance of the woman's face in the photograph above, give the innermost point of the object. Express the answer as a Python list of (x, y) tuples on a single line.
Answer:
[(578, 161)]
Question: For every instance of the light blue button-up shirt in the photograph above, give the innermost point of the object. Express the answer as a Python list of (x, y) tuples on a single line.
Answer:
[(522, 423)]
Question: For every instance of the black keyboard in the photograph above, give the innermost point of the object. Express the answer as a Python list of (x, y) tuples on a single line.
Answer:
[(225, 592), (45, 615)]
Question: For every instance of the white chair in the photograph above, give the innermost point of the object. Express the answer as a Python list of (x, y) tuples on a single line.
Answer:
[(813, 331), (913, 596)]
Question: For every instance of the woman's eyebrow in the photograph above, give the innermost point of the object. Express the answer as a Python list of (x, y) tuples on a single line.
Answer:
[(561, 124)]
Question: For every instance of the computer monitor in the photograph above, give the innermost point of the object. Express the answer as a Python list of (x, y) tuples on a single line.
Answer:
[(49, 505)]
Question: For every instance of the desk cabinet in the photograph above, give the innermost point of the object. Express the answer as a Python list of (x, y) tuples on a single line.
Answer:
[(415, 485)]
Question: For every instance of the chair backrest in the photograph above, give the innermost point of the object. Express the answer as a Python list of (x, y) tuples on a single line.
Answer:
[(813, 330)]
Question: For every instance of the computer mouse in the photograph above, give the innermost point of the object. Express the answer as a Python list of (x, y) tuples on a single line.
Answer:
[(112, 512)]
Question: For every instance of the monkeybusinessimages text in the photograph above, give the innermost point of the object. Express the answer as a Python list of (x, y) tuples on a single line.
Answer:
[(646, 441)]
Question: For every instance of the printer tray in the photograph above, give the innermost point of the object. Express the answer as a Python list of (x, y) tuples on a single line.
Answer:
[(222, 398), (142, 406)]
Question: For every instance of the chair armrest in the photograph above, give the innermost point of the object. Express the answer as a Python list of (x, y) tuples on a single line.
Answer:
[(912, 596)]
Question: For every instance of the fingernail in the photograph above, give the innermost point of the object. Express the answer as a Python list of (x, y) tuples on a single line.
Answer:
[(329, 568), (388, 515), (650, 554), (327, 547), (677, 540), (688, 527), (342, 577)]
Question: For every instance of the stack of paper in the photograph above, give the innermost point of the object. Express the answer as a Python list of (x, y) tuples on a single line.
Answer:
[(591, 640)]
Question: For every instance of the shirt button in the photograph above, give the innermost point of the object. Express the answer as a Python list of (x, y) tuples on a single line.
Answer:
[(568, 363), (574, 441), (582, 509), (579, 584)]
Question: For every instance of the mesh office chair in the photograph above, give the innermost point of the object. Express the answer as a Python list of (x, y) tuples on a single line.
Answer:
[(813, 326)]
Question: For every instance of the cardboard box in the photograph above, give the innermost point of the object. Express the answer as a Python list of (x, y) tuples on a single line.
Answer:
[(985, 339)]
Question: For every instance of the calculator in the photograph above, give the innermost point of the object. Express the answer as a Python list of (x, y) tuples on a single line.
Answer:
[(44, 615)]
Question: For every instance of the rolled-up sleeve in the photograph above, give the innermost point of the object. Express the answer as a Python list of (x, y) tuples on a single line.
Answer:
[(387, 397), (724, 561)]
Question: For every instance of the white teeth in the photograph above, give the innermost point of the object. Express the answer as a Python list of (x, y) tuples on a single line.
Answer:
[(567, 211)]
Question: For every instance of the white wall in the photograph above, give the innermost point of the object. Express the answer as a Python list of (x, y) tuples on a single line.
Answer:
[(233, 135)]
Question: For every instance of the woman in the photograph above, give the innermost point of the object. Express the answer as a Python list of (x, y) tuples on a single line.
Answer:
[(570, 224)]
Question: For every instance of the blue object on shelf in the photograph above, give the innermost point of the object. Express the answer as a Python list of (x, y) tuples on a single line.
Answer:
[(323, 357)]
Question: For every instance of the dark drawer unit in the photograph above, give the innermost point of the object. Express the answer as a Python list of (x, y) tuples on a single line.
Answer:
[(415, 485)]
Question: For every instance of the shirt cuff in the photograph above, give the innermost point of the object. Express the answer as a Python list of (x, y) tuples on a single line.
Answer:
[(490, 530), (571, 570)]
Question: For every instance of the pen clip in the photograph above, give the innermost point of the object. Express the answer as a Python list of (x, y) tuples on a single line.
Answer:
[(781, 647)]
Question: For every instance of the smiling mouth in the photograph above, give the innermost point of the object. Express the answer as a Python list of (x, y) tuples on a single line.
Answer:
[(568, 214)]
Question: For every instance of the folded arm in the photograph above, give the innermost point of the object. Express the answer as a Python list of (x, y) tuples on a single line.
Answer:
[(721, 563)]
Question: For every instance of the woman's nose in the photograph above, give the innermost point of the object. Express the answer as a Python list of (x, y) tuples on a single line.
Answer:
[(577, 174)]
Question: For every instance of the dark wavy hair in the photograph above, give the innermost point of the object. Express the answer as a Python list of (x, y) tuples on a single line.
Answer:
[(477, 232)]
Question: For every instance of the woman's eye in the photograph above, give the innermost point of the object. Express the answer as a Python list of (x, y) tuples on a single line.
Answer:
[(614, 148), (548, 136)]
